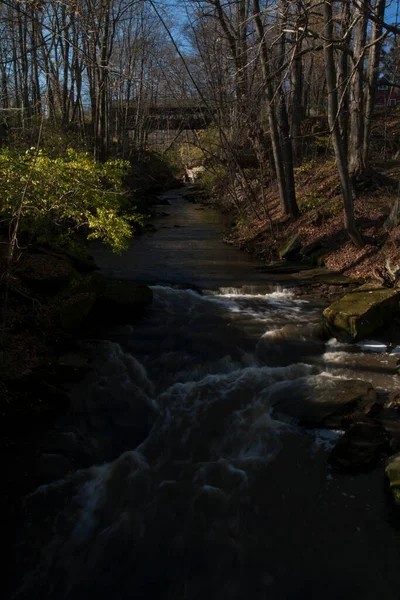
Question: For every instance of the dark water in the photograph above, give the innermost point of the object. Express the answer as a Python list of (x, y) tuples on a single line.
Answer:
[(186, 248), (220, 499)]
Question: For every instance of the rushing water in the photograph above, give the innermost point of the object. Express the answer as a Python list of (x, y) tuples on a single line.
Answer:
[(219, 499)]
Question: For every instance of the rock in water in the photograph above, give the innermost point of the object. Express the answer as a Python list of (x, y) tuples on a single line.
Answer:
[(292, 343), (393, 474), (321, 401), (363, 310), (394, 401), (361, 447)]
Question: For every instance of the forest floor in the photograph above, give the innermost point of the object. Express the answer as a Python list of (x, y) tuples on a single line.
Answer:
[(321, 205), (320, 225)]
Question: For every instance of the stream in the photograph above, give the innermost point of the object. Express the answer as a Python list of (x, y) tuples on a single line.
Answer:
[(217, 498)]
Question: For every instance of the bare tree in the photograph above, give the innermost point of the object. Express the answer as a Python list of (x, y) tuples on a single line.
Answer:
[(333, 108)]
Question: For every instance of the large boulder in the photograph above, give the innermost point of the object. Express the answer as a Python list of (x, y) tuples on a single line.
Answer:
[(83, 264), (45, 273), (320, 400), (121, 301), (73, 312), (292, 343), (326, 276), (362, 311), (95, 300), (393, 401), (92, 283), (290, 248), (393, 474), (361, 447)]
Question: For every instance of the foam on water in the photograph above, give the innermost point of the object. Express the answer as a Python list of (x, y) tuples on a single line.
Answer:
[(372, 346), (209, 374), (336, 357), (324, 439), (252, 292), (90, 496)]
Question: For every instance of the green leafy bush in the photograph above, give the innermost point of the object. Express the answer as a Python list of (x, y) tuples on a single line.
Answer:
[(172, 161), (214, 179), (206, 146), (64, 194), (309, 202), (306, 168)]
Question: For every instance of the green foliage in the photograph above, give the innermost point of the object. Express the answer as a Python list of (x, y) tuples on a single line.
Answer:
[(172, 161), (66, 193), (309, 202), (323, 143), (335, 207), (306, 167), (213, 179), (206, 146)]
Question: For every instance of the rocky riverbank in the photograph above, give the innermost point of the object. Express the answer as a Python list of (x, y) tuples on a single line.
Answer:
[(56, 302), (58, 307), (51, 305), (217, 479), (313, 258)]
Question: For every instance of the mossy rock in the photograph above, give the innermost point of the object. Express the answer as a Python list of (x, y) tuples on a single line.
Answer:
[(360, 448), (311, 248), (363, 311), (83, 264), (322, 401), (94, 283), (393, 474), (290, 248), (317, 258), (45, 273), (100, 301), (75, 310), (323, 275)]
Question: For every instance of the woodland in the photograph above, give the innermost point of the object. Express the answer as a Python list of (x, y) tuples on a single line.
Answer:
[(284, 115)]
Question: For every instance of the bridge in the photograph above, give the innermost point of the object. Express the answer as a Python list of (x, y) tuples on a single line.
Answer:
[(172, 121), (179, 117)]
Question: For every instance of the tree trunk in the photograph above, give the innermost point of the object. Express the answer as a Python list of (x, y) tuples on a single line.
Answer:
[(341, 158), (343, 74), (24, 78), (286, 206), (287, 151), (286, 139), (372, 77), (297, 106), (4, 85), (357, 166)]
